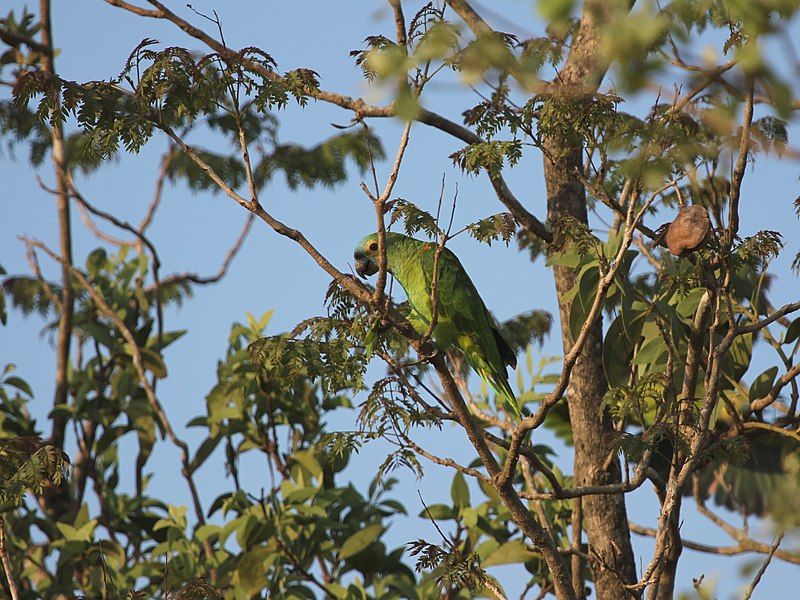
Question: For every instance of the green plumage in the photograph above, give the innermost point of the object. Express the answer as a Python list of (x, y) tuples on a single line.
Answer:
[(463, 320)]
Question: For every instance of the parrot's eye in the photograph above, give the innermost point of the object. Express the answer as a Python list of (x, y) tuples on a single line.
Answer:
[(373, 247)]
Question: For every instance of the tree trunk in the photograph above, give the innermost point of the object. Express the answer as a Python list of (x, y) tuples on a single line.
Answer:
[(604, 516), (57, 499)]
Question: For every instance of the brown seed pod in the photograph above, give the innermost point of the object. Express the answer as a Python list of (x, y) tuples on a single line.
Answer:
[(688, 231)]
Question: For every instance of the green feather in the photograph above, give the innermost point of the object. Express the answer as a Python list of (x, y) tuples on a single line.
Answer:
[(463, 320)]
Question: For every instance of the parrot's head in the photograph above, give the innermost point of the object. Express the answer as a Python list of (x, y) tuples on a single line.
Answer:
[(366, 255)]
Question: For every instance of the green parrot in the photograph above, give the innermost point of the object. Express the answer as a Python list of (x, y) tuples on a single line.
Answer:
[(463, 320)]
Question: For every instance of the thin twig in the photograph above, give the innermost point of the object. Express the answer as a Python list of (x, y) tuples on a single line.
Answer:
[(741, 163), (12, 583), (33, 262), (223, 269), (760, 573), (380, 213), (747, 546), (98, 233), (159, 190), (139, 234)]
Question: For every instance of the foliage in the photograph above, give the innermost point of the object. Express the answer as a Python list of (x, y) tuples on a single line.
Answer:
[(89, 524)]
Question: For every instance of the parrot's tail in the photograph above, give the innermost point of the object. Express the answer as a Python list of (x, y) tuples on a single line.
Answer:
[(503, 389)]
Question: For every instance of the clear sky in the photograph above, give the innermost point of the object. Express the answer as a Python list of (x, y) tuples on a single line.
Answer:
[(194, 230)]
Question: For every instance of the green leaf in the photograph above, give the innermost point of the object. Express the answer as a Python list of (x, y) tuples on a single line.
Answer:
[(3, 313), (337, 591), (206, 531), (459, 491), (737, 360), (763, 384), (438, 512), (582, 304), (509, 553), (82, 534), (651, 353), (20, 384), (252, 570), (566, 258), (203, 452), (406, 104), (792, 332), (360, 540), (688, 305), (555, 10), (307, 459), (166, 339), (616, 353), (99, 333), (151, 359)]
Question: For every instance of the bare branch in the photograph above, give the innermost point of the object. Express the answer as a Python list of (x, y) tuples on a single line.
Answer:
[(471, 17), (125, 225), (443, 461), (33, 262), (380, 211), (711, 76), (741, 162), (9, 571), (642, 473), (751, 588), (789, 376), (157, 193), (776, 315), (399, 21), (577, 566), (99, 234), (142, 12), (747, 546), (223, 269), (139, 234)]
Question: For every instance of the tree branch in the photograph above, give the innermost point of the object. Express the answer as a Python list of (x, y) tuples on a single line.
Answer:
[(223, 269), (751, 588), (399, 21), (747, 546), (64, 234), (776, 315), (741, 162), (12, 583), (789, 376), (157, 193), (380, 212)]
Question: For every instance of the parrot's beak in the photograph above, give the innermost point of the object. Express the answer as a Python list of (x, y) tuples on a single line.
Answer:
[(365, 267)]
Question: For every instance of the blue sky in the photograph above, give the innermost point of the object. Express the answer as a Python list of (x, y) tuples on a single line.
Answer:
[(193, 232)]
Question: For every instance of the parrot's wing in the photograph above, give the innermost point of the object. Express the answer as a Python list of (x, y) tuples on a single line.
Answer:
[(480, 341), (506, 353)]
